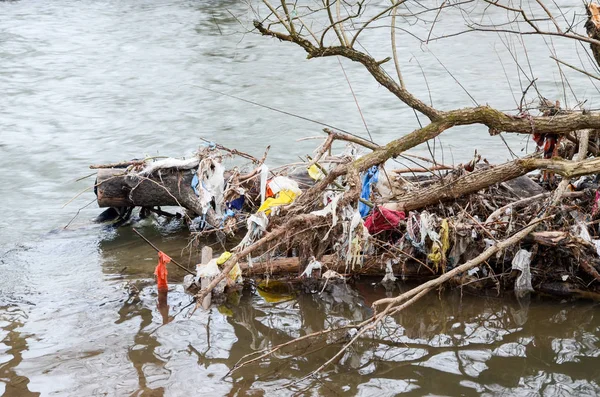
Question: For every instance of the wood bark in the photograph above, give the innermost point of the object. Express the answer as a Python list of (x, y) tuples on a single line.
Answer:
[(373, 266), (115, 188), (451, 187), (592, 27)]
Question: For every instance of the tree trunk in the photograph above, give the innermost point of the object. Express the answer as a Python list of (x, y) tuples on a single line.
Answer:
[(116, 189), (452, 187), (373, 266)]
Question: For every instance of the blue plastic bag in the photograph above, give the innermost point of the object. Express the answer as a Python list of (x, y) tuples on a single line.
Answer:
[(368, 179)]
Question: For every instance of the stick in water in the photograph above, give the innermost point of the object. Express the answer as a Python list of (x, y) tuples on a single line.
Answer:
[(157, 250)]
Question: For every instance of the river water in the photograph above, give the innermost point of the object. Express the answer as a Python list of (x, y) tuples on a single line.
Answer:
[(102, 81)]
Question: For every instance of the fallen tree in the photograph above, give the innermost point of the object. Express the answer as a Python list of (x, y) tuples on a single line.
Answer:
[(287, 26), (349, 221)]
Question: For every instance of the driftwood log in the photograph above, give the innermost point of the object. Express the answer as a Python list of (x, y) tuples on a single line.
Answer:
[(372, 266), (115, 188), (170, 187)]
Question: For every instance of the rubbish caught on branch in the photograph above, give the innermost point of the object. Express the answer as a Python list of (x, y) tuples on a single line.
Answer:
[(335, 217)]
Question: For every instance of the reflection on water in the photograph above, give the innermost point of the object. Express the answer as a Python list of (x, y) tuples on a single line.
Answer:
[(88, 336), (12, 346)]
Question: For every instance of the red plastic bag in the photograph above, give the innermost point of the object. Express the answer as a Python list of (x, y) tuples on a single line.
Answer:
[(383, 219), (161, 271)]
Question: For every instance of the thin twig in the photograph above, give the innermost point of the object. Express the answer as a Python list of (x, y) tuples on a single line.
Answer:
[(157, 250)]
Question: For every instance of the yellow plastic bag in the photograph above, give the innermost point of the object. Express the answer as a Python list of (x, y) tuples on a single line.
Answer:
[(223, 258), (235, 274), (439, 248), (283, 198), (315, 173), (445, 236)]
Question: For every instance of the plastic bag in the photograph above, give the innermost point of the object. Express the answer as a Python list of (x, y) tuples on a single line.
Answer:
[(283, 198), (521, 262), (235, 274), (315, 173), (161, 271), (368, 179), (281, 183), (313, 265)]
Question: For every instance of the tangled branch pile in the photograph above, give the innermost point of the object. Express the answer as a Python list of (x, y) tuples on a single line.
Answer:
[(404, 224), (529, 224)]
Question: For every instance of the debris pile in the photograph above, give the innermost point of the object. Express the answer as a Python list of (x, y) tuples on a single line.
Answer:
[(297, 220)]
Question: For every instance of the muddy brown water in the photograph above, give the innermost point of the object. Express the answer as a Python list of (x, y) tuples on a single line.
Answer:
[(99, 81), (76, 332)]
